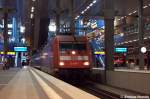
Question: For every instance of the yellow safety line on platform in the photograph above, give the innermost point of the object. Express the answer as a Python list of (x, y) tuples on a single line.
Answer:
[(48, 90)]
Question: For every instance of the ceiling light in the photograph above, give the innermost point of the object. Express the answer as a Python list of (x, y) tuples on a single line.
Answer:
[(94, 1), (145, 38), (82, 12), (130, 14), (119, 19), (134, 11), (145, 6), (22, 29), (52, 28), (31, 16), (88, 7), (32, 8), (91, 4), (122, 17)]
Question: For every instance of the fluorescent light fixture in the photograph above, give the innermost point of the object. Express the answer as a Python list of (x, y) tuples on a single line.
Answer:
[(145, 6), (31, 16), (121, 34), (22, 29), (23, 40), (52, 28), (82, 12), (94, 1), (134, 11), (122, 17), (32, 9), (9, 25), (88, 7), (130, 14), (145, 38), (10, 32), (91, 4)]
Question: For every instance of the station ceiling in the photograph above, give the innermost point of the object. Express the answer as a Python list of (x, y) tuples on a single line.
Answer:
[(122, 7)]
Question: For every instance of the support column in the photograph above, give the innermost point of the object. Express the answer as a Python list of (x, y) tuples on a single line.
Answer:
[(141, 33), (40, 23), (58, 17), (5, 34), (72, 23), (109, 34)]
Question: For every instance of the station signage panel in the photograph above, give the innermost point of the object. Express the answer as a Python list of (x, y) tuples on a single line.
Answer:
[(121, 50), (20, 49), (8, 53), (99, 53)]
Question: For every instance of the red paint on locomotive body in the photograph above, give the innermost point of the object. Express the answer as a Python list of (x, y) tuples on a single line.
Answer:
[(71, 52)]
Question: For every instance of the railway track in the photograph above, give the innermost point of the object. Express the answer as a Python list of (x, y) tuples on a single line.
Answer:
[(92, 89)]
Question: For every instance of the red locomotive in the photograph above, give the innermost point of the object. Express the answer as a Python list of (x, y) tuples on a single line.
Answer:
[(65, 52)]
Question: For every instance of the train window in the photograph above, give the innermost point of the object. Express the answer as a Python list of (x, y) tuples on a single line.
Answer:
[(70, 46)]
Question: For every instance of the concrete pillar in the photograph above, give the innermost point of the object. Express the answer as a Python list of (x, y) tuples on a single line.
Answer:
[(109, 33), (57, 16), (141, 33), (41, 14), (72, 22), (5, 34)]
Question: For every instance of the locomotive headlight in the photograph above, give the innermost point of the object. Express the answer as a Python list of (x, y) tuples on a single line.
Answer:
[(73, 52), (61, 63), (86, 63)]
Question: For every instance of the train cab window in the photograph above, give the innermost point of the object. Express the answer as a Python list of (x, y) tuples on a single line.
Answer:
[(70, 46)]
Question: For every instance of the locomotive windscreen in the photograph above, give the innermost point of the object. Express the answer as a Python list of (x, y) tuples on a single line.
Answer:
[(74, 46)]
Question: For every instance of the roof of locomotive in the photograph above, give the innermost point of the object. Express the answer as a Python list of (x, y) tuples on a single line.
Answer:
[(71, 38)]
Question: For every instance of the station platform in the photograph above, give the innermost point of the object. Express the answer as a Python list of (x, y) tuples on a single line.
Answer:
[(123, 81), (29, 83)]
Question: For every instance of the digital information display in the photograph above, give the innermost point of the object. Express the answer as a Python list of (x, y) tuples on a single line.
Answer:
[(20, 49), (121, 50)]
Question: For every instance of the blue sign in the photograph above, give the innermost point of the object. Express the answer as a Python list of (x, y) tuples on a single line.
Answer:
[(20, 49), (122, 50)]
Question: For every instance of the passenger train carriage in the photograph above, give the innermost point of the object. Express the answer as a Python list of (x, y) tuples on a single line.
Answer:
[(64, 52)]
